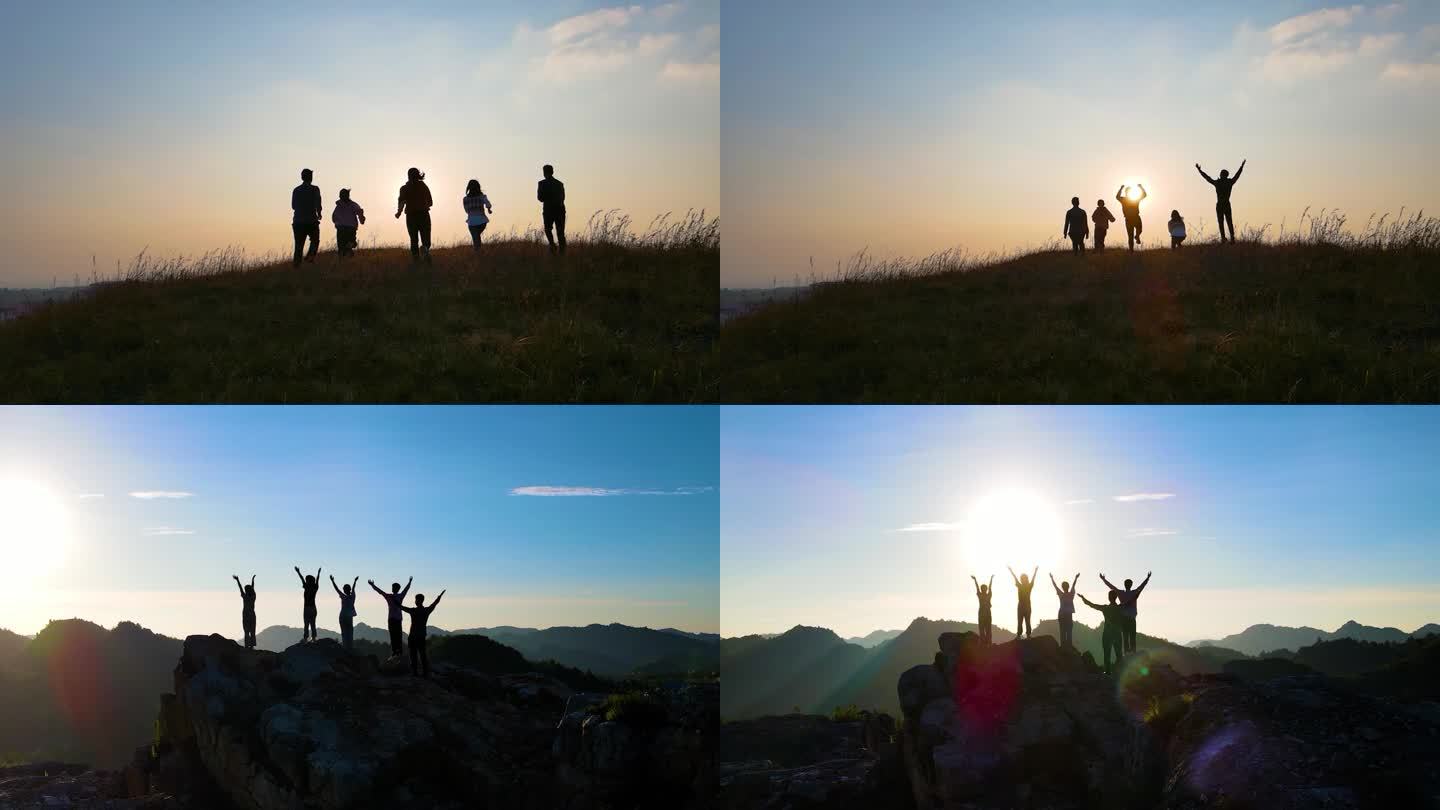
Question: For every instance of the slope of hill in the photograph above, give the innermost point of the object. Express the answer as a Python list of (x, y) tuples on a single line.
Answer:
[(618, 319), (1235, 323), (812, 669), (874, 638), (612, 650), (1258, 639)]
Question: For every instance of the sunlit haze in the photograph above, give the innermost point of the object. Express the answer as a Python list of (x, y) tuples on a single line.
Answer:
[(910, 127), (532, 517), (180, 129), (862, 519)]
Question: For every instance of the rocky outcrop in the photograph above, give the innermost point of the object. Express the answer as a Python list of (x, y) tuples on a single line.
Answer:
[(1022, 724), (810, 762), (79, 787)]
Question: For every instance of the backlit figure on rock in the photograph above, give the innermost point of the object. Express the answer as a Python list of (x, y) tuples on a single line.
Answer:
[(1023, 585), (983, 593)]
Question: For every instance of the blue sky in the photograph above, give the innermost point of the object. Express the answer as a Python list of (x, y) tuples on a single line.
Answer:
[(852, 518), (161, 505), (183, 127), (918, 125)]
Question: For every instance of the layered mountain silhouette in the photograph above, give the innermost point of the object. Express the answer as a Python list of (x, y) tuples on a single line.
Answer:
[(609, 650), (1258, 639), (874, 638)]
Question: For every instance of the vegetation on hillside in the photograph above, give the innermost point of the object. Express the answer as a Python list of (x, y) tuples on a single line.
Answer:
[(1315, 315), (622, 317)]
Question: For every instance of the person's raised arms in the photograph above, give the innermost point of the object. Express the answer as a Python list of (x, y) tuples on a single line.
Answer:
[(1075, 582), (238, 585), (1207, 177), (336, 587), (1143, 583), (1120, 195), (1143, 192), (1034, 573), (1239, 170), (1088, 602), (300, 575), (377, 590), (977, 584), (1013, 578), (317, 574), (436, 603), (1053, 585), (406, 589), (353, 583), (1108, 583)]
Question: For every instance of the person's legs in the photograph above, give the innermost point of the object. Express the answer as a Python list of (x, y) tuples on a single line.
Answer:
[(475, 231), (396, 648), (1065, 627), (425, 234), (248, 621), (549, 219), (413, 226), (1099, 239), (1220, 218), (424, 659), (347, 632), (313, 231), (1130, 232), (560, 230), (299, 231), (414, 656)]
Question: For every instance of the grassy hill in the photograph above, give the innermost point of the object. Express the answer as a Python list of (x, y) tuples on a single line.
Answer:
[(1327, 319), (620, 318)]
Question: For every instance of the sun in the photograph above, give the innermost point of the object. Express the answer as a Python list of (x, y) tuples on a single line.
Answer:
[(35, 529), (1011, 527), (1134, 187)]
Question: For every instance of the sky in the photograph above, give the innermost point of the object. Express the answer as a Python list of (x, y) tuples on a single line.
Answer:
[(860, 519), (914, 126), (182, 128), (529, 516)]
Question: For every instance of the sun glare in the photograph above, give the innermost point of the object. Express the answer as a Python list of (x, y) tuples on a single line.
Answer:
[(34, 529), (1011, 527)]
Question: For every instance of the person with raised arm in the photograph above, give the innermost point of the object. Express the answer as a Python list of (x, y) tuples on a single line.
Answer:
[(984, 593), (247, 609), (1023, 585), (394, 618), (419, 619), (347, 611), (1223, 184), (1110, 635), (1065, 591), (1128, 599), (311, 586), (1130, 208)]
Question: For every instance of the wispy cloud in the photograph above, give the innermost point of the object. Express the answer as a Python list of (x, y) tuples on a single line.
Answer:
[(1150, 533), (1297, 27), (161, 531), (1077, 501), (152, 494), (691, 71), (1412, 72), (1143, 496), (932, 527), (1323, 41), (603, 41), (602, 492), (591, 23), (85, 495)]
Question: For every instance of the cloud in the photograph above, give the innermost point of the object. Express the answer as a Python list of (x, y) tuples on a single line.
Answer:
[(691, 71), (932, 527), (1326, 18), (656, 43), (602, 492), (1320, 42), (161, 531), (85, 495), (152, 494), (1078, 501), (1412, 72), (1150, 533), (665, 11), (1372, 44), (590, 23), (1143, 496)]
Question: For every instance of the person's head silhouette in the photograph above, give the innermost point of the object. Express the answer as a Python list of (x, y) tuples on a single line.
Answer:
[(1024, 579), (250, 590), (1174, 213), (1113, 596), (548, 170), (394, 587), (1064, 586), (472, 188), (1224, 173), (306, 175), (415, 174), (419, 600), (1075, 201), (1100, 203), (309, 579), (344, 193), (1127, 584), (347, 589), (984, 589)]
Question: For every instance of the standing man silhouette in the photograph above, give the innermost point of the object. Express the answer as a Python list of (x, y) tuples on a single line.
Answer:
[(305, 202), (1103, 218), (394, 601), (1077, 226), (1128, 609), (415, 202), (1131, 209), (1222, 197), (1023, 585), (551, 194), (419, 618)]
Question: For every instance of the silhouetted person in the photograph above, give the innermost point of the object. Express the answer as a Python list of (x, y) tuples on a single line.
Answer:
[(1112, 633), (348, 216), (396, 620), (414, 203), (1128, 599), (1130, 209), (1222, 197), (984, 593), (1177, 230), (1102, 218), (347, 611), (312, 587), (1023, 585), (1077, 226), (551, 194), (247, 609), (305, 202), (1066, 618), (419, 616), (477, 205)]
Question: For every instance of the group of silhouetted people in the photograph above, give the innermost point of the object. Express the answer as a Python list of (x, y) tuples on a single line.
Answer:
[(1117, 633), (414, 203), (1077, 221), (396, 609)]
